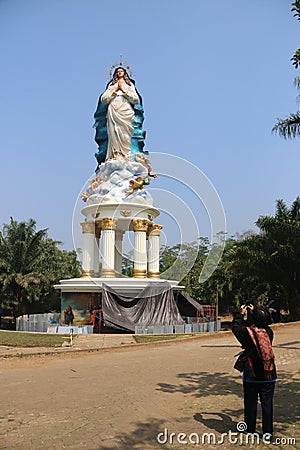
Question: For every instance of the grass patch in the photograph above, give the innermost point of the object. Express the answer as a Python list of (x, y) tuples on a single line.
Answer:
[(160, 337), (19, 339)]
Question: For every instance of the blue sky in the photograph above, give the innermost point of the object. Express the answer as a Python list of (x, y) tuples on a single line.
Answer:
[(214, 77)]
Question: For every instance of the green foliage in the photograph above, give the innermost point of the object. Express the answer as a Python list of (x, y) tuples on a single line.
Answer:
[(139, 339), (179, 260), (255, 266), (267, 265), (19, 339), (198, 252), (127, 265), (289, 127), (30, 263), (296, 9), (296, 58)]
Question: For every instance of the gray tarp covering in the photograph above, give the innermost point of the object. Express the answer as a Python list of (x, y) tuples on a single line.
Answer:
[(154, 306), (187, 305)]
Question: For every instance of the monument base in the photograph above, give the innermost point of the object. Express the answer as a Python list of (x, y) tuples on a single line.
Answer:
[(84, 295), (124, 286)]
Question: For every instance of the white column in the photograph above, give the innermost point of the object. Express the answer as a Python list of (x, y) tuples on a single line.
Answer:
[(118, 252), (153, 250), (140, 227), (97, 250), (88, 236), (108, 225)]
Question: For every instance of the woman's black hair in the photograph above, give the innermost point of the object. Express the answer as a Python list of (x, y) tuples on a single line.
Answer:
[(261, 317)]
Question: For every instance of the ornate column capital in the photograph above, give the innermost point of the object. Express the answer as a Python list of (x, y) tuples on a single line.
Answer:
[(154, 229), (88, 227), (108, 223), (140, 224)]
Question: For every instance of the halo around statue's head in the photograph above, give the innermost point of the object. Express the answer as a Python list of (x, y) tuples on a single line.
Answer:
[(123, 64)]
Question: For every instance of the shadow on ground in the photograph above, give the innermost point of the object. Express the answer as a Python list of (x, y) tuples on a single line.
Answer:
[(221, 422), (201, 384), (287, 401), (143, 437), (204, 384)]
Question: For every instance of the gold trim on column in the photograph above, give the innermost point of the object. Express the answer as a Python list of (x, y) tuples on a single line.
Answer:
[(108, 223), (154, 229), (153, 274), (139, 273), (140, 224), (87, 273), (108, 273), (88, 227)]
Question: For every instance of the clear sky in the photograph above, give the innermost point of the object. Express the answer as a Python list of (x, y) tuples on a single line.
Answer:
[(214, 77)]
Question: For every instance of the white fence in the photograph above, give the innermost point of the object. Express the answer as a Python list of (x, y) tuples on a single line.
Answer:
[(37, 322), (180, 329)]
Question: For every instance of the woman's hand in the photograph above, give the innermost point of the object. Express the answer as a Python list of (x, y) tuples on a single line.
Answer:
[(243, 309)]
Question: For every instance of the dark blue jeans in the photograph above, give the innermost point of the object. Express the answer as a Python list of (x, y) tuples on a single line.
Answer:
[(265, 391)]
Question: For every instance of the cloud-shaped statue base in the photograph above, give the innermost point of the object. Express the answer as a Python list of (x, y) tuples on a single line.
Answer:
[(118, 181)]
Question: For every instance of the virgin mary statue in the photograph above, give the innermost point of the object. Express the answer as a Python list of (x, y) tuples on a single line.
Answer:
[(118, 119)]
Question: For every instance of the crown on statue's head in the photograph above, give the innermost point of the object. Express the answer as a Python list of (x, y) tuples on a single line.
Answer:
[(123, 64)]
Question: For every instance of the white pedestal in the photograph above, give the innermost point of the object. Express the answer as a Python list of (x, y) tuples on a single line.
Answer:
[(126, 286)]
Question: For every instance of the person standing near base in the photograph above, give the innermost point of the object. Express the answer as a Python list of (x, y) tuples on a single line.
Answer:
[(259, 371), (69, 315)]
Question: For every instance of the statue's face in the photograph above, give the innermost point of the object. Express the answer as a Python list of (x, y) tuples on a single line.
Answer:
[(120, 73)]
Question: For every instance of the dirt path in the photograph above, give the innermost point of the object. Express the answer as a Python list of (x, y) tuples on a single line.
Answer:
[(122, 399)]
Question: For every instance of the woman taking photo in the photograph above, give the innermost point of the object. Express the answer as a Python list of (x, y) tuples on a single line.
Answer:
[(259, 371)]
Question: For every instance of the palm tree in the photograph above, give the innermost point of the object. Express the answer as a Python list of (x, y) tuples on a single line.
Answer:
[(30, 263), (290, 126), (21, 260), (273, 256)]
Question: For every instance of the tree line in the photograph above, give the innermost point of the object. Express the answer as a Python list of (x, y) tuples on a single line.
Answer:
[(30, 264), (256, 266)]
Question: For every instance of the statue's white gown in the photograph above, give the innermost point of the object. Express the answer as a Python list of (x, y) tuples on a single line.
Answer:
[(119, 119)]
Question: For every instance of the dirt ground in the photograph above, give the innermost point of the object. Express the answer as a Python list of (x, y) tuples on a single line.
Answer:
[(123, 398)]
